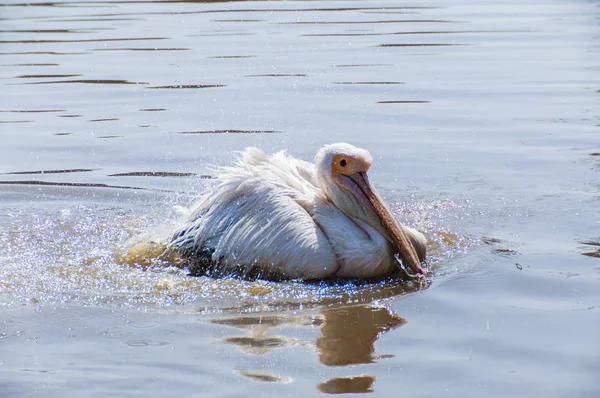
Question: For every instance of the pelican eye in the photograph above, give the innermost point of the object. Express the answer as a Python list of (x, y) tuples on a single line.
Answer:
[(343, 163)]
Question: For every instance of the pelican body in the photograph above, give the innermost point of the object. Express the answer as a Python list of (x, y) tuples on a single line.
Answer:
[(278, 217)]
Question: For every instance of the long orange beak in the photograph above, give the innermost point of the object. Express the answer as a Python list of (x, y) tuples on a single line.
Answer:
[(401, 241)]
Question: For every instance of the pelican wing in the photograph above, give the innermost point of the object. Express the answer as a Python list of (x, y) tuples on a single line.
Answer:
[(258, 220)]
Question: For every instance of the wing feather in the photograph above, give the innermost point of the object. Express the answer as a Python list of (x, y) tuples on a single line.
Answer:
[(259, 217)]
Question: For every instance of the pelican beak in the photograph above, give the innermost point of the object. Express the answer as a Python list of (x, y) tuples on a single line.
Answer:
[(401, 241)]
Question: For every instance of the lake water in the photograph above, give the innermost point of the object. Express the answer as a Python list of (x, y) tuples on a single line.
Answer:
[(483, 119)]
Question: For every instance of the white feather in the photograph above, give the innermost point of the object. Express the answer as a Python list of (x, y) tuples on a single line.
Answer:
[(271, 215)]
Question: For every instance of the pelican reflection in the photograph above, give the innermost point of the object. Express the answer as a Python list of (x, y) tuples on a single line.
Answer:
[(346, 336)]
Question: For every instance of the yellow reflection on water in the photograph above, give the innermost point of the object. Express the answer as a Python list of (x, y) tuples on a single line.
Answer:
[(347, 385), (347, 336)]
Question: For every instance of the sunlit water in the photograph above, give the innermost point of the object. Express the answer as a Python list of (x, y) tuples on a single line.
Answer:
[(483, 123)]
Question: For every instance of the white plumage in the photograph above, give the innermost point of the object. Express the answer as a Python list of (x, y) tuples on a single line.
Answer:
[(278, 217)]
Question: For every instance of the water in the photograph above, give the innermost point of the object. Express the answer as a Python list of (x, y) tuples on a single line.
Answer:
[(483, 122)]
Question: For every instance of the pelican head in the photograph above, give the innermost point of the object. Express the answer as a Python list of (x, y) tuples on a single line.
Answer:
[(342, 176)]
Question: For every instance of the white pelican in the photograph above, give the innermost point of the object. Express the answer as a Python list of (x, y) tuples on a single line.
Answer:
[(278, 217)]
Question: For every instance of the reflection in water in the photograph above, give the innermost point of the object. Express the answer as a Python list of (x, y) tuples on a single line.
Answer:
[(278, 75), (401, 33), (228, 10), (238, 20), (367, 83), (44, 76), (68, 184), (233, 56), (88, 81), (43, 53), (223, 34), (46, 31), (366, 22), (51, 171), (420, 45), (81, 40), (141, 49), (346, 385), (359, 65), (403, 102), (347, 336), (33, 110), (263, 376), (159, 174), (258, 342), (110, 119), (595, 249), (187, 86), (230, 131), (31, 64)]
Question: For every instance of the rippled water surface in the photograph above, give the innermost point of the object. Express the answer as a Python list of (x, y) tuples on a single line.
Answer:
[(483, 120)]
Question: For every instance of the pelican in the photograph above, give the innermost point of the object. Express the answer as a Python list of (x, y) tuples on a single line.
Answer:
[(278, 217)]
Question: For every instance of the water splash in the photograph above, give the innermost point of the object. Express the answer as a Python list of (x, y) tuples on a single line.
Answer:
[(74, 254)]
